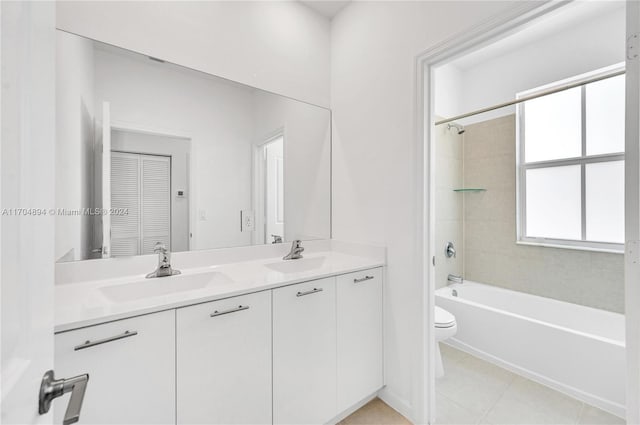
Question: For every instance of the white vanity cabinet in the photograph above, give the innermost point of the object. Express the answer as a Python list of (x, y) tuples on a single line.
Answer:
[(297, 354), (360, 344), (224, 361), (131, 367), (304, 353)]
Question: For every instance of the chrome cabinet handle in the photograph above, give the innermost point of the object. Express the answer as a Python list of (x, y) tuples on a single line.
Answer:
[(88, 343), (313, 291), (362, 279), (52, 388), (231, 310)]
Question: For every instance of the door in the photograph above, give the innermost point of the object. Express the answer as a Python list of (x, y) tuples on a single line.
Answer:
[(274, 188), (141, 185), (304, 353), (103, 179), (27, 159), (632, 212), (225, 347)]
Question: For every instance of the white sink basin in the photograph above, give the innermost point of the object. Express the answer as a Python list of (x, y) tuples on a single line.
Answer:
[(160, 286), (297, 266)]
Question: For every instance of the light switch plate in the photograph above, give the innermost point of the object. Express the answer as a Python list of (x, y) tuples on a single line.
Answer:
[(247, 221)]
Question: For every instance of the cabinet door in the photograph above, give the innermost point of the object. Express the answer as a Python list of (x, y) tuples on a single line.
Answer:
[(224, 361), (304, 353), (359, 312), (131, 367)]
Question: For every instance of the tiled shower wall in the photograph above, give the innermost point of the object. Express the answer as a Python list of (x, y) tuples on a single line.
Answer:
[(491, 254), (449, 205)]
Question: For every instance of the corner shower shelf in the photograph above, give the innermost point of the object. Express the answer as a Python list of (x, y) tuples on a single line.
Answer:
[(470, 190)]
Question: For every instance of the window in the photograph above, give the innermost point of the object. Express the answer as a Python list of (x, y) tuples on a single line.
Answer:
[(571, 165)]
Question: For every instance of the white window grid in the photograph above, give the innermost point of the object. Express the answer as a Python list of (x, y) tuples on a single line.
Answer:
[(583, 160)]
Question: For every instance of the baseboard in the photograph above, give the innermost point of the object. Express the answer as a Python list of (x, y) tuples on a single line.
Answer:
[(397, 403), (606, 405), (352, 409)]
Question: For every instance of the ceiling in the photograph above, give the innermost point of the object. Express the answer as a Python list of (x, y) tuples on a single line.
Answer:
[(327, 8)]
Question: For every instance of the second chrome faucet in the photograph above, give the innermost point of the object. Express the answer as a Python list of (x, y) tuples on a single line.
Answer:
[(296, 251)]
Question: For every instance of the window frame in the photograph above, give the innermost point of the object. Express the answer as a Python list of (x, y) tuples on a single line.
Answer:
[(583, 160)]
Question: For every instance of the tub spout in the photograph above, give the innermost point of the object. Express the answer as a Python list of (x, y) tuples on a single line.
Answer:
[(452, 278)]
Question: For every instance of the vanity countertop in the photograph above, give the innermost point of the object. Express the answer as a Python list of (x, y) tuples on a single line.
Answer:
[(89, 303)]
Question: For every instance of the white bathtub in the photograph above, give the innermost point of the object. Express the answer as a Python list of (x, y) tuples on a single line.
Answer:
[(575, 349)]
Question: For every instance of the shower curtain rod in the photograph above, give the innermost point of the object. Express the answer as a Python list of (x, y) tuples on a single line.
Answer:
[(533, 96)]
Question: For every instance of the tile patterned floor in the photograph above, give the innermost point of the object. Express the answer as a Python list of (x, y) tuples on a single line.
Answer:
[(477, 392), (480, 393)]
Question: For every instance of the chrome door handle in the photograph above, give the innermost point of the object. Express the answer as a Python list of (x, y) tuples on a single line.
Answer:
[(88, 343), (313, 291), (362, 279), (52, 388), (231, 310)]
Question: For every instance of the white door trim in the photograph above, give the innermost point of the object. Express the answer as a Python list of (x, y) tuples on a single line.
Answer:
[(632, 224), (485, 33)]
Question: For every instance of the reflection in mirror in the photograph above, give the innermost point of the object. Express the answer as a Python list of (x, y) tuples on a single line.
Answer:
[(149, 151)]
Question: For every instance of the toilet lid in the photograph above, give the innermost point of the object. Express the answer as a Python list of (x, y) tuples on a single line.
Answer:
[(444, 319)]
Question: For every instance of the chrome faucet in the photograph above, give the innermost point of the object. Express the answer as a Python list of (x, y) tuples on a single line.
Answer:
[(164, 262), (296, 251)]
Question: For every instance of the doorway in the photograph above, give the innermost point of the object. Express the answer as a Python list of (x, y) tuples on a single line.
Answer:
[(270, 191), (469, 195)]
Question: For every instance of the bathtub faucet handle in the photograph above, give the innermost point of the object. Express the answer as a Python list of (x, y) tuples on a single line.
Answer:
[(450, 250)]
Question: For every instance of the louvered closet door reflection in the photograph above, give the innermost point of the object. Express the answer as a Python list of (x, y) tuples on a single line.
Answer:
[(156, 201), (125, 194), (142, 185)]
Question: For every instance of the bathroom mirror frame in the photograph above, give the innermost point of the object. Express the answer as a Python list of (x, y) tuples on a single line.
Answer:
[(321, 210)]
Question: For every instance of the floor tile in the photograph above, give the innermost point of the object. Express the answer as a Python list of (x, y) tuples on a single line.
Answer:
[(448, 412), (527, 402), (376, 412), (593, 416), (452, 354), (473, 383)]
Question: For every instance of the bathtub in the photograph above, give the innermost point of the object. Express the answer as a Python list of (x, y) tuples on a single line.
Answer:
[(577, 350)]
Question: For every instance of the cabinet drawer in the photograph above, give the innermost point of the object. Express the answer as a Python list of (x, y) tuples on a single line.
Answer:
[(131, 367), (304, 353), (360, 336), (224, 361)]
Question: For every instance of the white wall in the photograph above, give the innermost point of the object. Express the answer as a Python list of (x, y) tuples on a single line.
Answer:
[(595, 42), (279, 46), (448, 91), (215, 115), (74, 144), (374, 46)]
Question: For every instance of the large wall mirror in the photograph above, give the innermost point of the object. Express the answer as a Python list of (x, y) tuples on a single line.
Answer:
[(149, 151)]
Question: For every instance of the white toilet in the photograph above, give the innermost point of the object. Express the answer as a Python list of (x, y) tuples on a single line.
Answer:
[(446, 327)]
